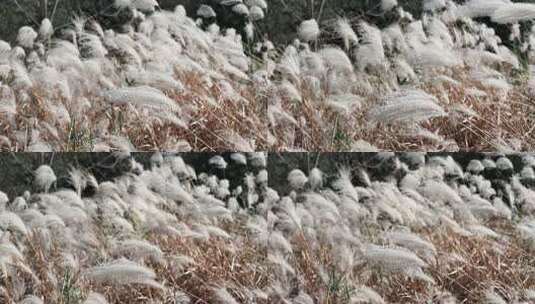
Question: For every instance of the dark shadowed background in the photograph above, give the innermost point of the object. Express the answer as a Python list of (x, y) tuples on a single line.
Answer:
[(282, 18)]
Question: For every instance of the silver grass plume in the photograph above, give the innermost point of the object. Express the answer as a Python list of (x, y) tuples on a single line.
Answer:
[(31, 299), (336, 59), (206, 11), (122, 272), (412, 242), (26, 37), (10, 221), (138, 250), (491, 297), (407, 106), (344, 186), (46, 30), (387, 5), (144, 5), (44, 177), (480, 8), (260, 3), (309, 30), (346, 32), (218, 162), (222, 296), (396, 261), (95, 298), (297, 179), (256, 13), (142, 96), (315, 178), (433, 5), (303, 298)]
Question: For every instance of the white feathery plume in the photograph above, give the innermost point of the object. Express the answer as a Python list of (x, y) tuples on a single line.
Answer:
[(26, 37), (138, 250), (288, 217), (260, 3), (214, 231), (277, 116), (95, 298), (206, 11), (526, 232), (433, 54), (9, 251), (482, 231), (237, 142), (144, 5), (156, 159), (394, 39), (222, 296), (437, 29), (181, 298), (439, 192), (396, 260), (480, 8), (344, 186), (344, 29), (31, 299), (407, 106), (309, 30), (303, 298), (433, 5), (526, 173), (249, 30), (289, 91), (319, 205), (363, 146), (412, 242), (8, 103), (92, 45), (336, 59), (504, 163), (278, 243), (46, 29), (3, 201), (258, 159), (344, 103), (218, 161), (230, 2), (44, 177), (239, 158), (142, 96), (256, 13), (370, 52), (5, 48), (387, 5), (297, 179), (513, 13), (262, 177), (528, 160), (241, 9), (491, 297), (122, 272), (315, 178), (11, 221)]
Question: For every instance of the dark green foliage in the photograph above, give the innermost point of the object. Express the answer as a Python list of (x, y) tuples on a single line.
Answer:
[(17, 13), (282, 17), (16, 169), (280, 164)]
